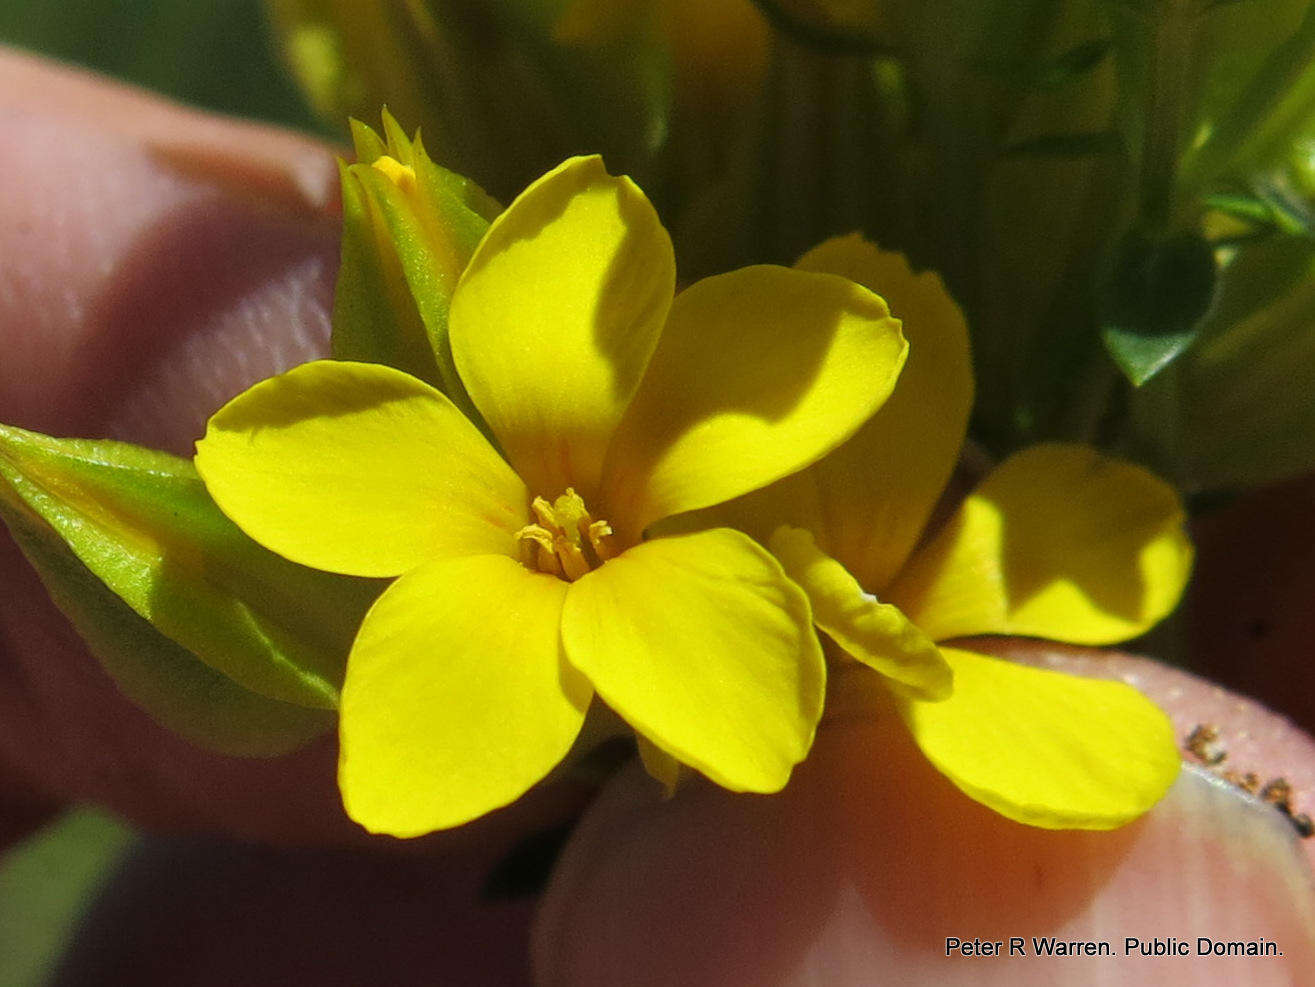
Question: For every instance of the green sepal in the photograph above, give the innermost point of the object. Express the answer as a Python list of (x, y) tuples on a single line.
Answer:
[(366, 142), (1153, 303), (177, 689), (143, 524), (375, 319), (404, 247)]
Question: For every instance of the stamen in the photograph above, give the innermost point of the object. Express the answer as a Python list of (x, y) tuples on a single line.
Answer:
[(600, 537), (544, 512), (549, 562), (574, 564), (566, 541)]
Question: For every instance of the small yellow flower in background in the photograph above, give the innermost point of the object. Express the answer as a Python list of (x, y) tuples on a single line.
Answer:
[(1058, 542), (526, 585)]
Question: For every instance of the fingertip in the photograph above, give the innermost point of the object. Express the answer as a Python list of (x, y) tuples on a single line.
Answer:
[(248, 158), (151, 271), (135, 297), (870, 860)]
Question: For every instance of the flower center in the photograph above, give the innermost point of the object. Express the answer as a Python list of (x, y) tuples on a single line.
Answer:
[(567, 541)]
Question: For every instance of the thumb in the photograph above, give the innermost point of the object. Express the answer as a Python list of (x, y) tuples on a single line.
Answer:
[(157, 262), (139, 290), (869, 860), (157, 259)]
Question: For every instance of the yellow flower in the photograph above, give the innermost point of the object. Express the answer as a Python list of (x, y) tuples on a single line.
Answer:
[(1057, 542), (526, 583)]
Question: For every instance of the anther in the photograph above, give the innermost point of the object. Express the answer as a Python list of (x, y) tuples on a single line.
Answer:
[(600, 537), (566, 541), (544, 512)]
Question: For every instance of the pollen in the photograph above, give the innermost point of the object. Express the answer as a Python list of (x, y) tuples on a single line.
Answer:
[(567, 541)]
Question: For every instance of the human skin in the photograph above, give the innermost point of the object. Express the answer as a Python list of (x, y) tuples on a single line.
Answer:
[(158, 261)]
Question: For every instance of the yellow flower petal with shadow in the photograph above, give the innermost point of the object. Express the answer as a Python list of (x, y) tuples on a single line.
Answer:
[(360, 469), (1044, 748), (867, 502), (1058, 542), (702, 644), (875, 633), (759, 373), (556, 316), (879, 488), (457, 698)]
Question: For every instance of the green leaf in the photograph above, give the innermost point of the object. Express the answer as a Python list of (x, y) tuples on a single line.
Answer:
[(409, 228), (1245, 208), (1257, 119), (834, 28), (1152, 304), (1065, 145), (140, 43), (1239, 410), (1069, 67), (143, 524), (46, 884), (1270, 209), (1073, 64), (1204, 85)]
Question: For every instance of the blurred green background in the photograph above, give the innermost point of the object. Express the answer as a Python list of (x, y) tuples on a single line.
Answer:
[(46, 884), (215, 54)]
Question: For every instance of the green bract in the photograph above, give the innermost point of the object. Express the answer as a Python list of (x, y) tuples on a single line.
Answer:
[(221, 640), (409, 227)]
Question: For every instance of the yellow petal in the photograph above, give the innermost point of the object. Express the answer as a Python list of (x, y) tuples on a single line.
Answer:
[(1058, 542), (457, 699), (867, 502), (879, 487), (875, 633), (556, 316), (759, 373), (1045, 748), (703, 645), (360, 469)]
